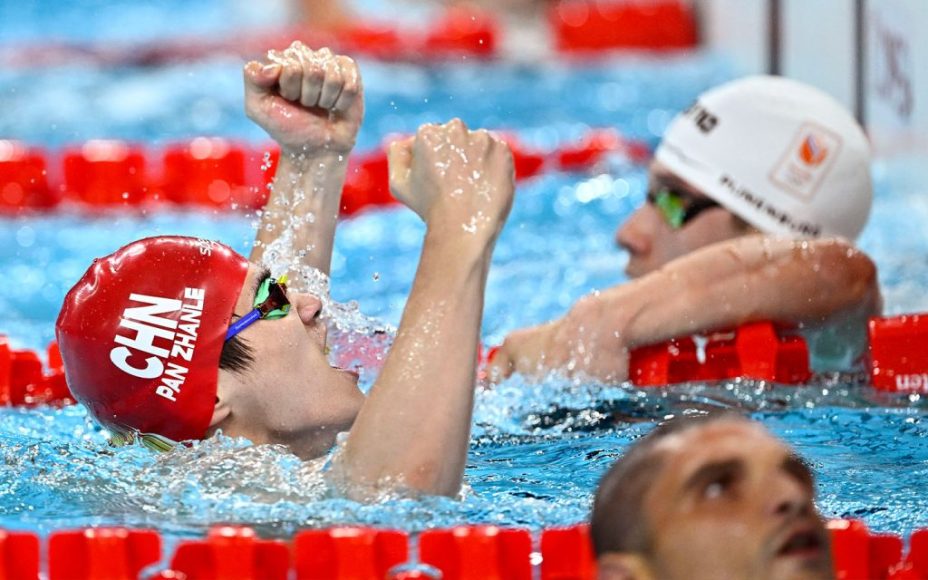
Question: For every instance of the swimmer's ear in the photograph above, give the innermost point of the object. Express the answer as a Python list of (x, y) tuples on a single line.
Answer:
[(221, 412), (616, 566)]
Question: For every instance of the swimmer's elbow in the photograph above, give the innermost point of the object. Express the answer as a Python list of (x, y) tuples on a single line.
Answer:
[(429, 479), (847, 272), (414, 480)]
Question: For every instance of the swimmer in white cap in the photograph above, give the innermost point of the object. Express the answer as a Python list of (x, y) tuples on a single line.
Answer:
[(756, 195)]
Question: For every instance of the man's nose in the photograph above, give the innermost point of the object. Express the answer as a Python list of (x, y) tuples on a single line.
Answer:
[(789, 498), (635, 234), (307, 306)]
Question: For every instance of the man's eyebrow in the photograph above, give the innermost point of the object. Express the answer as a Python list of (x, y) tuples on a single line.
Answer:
[(795, 466), (712, 471)]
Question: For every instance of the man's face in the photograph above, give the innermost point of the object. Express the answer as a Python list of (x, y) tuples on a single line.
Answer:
[(291, 389), (652, 242), (732, 501)]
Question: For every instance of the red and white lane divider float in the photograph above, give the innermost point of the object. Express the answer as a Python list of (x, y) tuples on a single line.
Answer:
[(343, 553), (24, 382), (898, 361), (576, 27), (223, 174), (897, 358)]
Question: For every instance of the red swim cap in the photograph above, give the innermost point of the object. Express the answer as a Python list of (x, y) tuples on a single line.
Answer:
[(141, 333)]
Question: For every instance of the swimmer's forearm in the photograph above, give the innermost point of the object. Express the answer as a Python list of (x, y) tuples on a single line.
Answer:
[(415, 427), (323, 13), (750, 279), (306, 193)]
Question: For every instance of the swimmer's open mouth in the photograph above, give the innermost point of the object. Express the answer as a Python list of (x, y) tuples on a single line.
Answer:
[(805, 543), (350, 372)]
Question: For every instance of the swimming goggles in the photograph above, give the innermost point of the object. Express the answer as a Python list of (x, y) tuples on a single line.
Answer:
[(678, 208), (271, 303), (120, 437)]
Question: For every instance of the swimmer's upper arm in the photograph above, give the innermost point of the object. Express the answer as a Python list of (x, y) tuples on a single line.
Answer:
[(745, 280), (850, 273)]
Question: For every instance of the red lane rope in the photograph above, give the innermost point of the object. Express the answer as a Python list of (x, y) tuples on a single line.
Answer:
[(24, 382), (223, 174), (898, 361), (457, 33), (753, 351), (466, 551), (575, 26)]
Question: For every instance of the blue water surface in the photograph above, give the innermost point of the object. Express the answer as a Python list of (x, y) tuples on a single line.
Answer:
[(538, 450)]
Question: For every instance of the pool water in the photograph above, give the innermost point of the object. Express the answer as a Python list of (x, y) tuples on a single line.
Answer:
[(537, 450)]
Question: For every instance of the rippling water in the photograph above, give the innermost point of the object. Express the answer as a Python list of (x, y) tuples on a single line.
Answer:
[(538, 452)]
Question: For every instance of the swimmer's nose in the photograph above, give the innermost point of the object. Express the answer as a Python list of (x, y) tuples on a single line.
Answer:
[(789, 498), (307, 306), (635, 234)]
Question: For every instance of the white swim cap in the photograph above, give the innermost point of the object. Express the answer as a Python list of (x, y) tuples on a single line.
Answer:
[(785, 157)]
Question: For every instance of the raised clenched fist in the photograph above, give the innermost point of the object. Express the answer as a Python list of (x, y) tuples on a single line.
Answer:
[(458, 180), (309, 101)]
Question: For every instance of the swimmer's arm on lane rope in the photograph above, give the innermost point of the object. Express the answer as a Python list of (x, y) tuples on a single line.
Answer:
[(746, 280), (720, 286), (412, 433), (312, 104)]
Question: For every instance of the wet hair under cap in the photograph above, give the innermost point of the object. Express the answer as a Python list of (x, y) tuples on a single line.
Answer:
[(237, 356), (619, 523)]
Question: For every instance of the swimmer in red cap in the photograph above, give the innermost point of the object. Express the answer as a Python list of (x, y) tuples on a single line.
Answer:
[(177, 338), (756, 195)]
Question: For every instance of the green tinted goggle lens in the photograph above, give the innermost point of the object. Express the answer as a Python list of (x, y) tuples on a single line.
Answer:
[(120, 437), (271, 299), (671, 207), (677, 209), (270, 303)]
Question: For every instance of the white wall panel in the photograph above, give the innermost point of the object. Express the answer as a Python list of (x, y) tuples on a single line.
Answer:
[(738, 29), (818, 45)]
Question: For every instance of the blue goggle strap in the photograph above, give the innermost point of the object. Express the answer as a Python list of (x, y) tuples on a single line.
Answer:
[(243, 323)]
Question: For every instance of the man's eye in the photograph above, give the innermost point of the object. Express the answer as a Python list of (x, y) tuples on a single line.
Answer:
[(719, 487), (714, 490)]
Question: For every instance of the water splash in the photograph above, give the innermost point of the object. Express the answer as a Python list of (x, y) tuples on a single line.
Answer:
[(356, 341), (536, 455)]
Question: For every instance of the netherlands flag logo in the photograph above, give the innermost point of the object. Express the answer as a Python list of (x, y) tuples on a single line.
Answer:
[(813, 150)]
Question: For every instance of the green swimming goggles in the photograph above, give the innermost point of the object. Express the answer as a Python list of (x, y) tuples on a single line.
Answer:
[(271, 303), (678, 208), (121, 437)]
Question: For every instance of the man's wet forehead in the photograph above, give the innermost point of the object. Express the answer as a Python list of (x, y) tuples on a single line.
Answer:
[(718, 438), (685, 452)]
